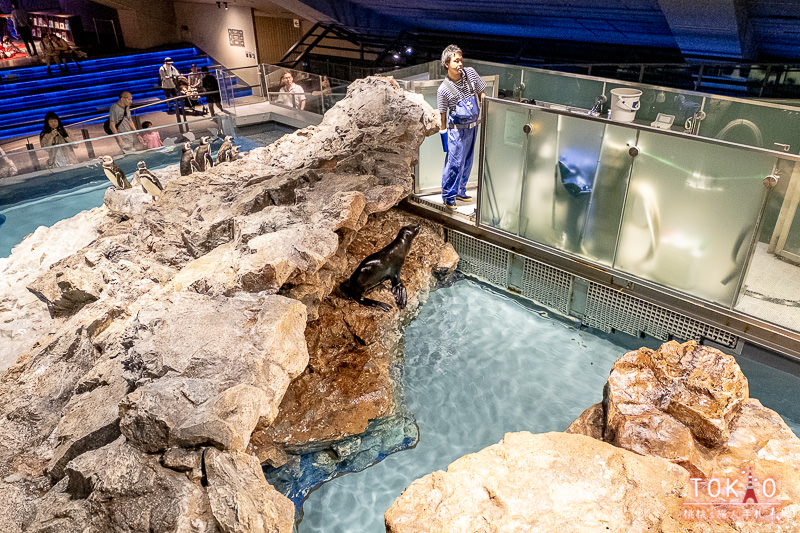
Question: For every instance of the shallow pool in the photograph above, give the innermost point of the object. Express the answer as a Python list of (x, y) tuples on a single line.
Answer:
[(478, 365), (47, 199)]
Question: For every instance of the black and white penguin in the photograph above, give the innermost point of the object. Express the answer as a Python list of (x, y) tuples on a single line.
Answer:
[(114, 174), (187, 160), (224, 152), (202, 155), (149, 181)]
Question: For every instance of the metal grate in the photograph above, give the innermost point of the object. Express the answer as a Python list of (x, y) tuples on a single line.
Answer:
[(427, 203), (481, 259), (608, 309), (546, 285)]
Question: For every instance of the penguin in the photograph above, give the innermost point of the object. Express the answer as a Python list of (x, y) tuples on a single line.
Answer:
[(224, 152), (149, 181), (235, 153), (114, 174), (202, 155), (187, 160)]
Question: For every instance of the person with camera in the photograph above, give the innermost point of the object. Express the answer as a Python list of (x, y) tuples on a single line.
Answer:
[(458, 99), (53, 136), (167, 78)]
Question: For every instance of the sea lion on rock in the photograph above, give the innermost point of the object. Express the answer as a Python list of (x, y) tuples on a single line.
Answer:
[(380, 266)]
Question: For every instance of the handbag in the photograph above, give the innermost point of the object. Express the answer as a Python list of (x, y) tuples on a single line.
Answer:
[(107, 125)]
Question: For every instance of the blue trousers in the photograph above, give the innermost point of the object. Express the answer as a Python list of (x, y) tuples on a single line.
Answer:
[(458, 162)]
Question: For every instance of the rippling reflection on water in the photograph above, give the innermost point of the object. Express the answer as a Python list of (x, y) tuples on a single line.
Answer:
[(479, 365)]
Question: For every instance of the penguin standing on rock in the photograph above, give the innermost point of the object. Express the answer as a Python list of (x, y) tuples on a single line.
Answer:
[(149, 181), (235, 153), (224, 152), (202, 155), (114, 174), (187, 160)]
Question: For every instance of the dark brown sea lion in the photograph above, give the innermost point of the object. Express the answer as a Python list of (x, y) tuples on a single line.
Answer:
[(380, 266)]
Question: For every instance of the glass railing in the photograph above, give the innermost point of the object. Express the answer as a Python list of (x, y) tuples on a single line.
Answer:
[(702, 209), (311, 93), (53, 159)]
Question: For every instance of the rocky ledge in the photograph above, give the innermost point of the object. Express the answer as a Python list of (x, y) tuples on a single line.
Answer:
[(189, 339), (675, 429)]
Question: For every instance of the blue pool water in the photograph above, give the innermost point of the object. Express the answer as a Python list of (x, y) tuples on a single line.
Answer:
[(48, 199), (478, 365)]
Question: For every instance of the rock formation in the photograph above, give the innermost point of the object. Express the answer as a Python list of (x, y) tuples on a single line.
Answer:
[(550, 482), (684, 409), (176, 332)]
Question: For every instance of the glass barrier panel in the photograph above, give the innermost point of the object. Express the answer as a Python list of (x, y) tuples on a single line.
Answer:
[(603, 216), (676, 76), (421, 72), (680, 106), (690, 214), (574, 187), (771, 287), (564, 89), (763, 126), (504, 155)]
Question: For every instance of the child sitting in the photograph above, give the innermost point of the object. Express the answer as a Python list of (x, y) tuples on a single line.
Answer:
[(150, 139)]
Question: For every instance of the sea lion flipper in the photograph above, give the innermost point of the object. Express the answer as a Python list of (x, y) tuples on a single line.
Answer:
[(375, 303), (400, 295)]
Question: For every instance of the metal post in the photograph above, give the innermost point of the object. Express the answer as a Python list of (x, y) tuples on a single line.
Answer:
[(32, 155), (88, 143), (179, 116)]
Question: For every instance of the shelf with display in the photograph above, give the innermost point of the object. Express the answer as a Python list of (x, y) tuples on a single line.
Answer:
[(67, 27)]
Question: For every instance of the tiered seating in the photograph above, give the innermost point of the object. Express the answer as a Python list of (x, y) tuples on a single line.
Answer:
[(26, 94)]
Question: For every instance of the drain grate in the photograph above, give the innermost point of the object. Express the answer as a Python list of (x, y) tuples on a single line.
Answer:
[(608, 309), (546, 285), (481, 259)]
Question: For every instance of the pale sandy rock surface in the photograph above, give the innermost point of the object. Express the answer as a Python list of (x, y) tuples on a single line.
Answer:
[(548, 483)]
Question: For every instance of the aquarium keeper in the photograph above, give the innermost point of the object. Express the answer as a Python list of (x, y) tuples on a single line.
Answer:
[(458, 99)]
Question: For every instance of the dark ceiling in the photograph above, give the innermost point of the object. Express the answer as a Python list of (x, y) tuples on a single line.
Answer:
[(680, 29)]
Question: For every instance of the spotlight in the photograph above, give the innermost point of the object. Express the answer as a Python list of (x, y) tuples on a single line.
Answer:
[(396, 56), (219, 5), (226, 5), (409, 51)]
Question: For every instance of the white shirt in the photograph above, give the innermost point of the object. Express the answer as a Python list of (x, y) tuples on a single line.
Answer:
[(287, 99)]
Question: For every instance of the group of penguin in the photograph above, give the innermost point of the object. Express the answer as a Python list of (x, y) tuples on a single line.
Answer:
[(198, 159)]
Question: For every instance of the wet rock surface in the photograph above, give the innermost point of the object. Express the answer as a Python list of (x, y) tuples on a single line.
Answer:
[(176, 331)]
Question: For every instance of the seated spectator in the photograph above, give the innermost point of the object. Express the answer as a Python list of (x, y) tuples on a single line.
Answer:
[(291, 94), (54, 135), (65, 51), (7, 166), (8, 49), (190, 94), (150, 139), (51, 53)]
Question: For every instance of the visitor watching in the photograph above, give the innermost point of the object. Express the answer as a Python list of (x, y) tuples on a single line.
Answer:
[(65, 51), (211, 90), (119, 120), (22, 23), (290, 93), (50, 53), (150, 139), (458, 99), (167, 78), (54, 135)]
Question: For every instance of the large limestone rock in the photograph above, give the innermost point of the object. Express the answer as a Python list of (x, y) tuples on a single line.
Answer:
[(551, 482), (178, 327), (689, 404)]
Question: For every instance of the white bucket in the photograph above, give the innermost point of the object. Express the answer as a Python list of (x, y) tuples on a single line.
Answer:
[(624, 104)]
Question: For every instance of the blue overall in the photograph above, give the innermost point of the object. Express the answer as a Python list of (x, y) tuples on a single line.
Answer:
[(461, 134)]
